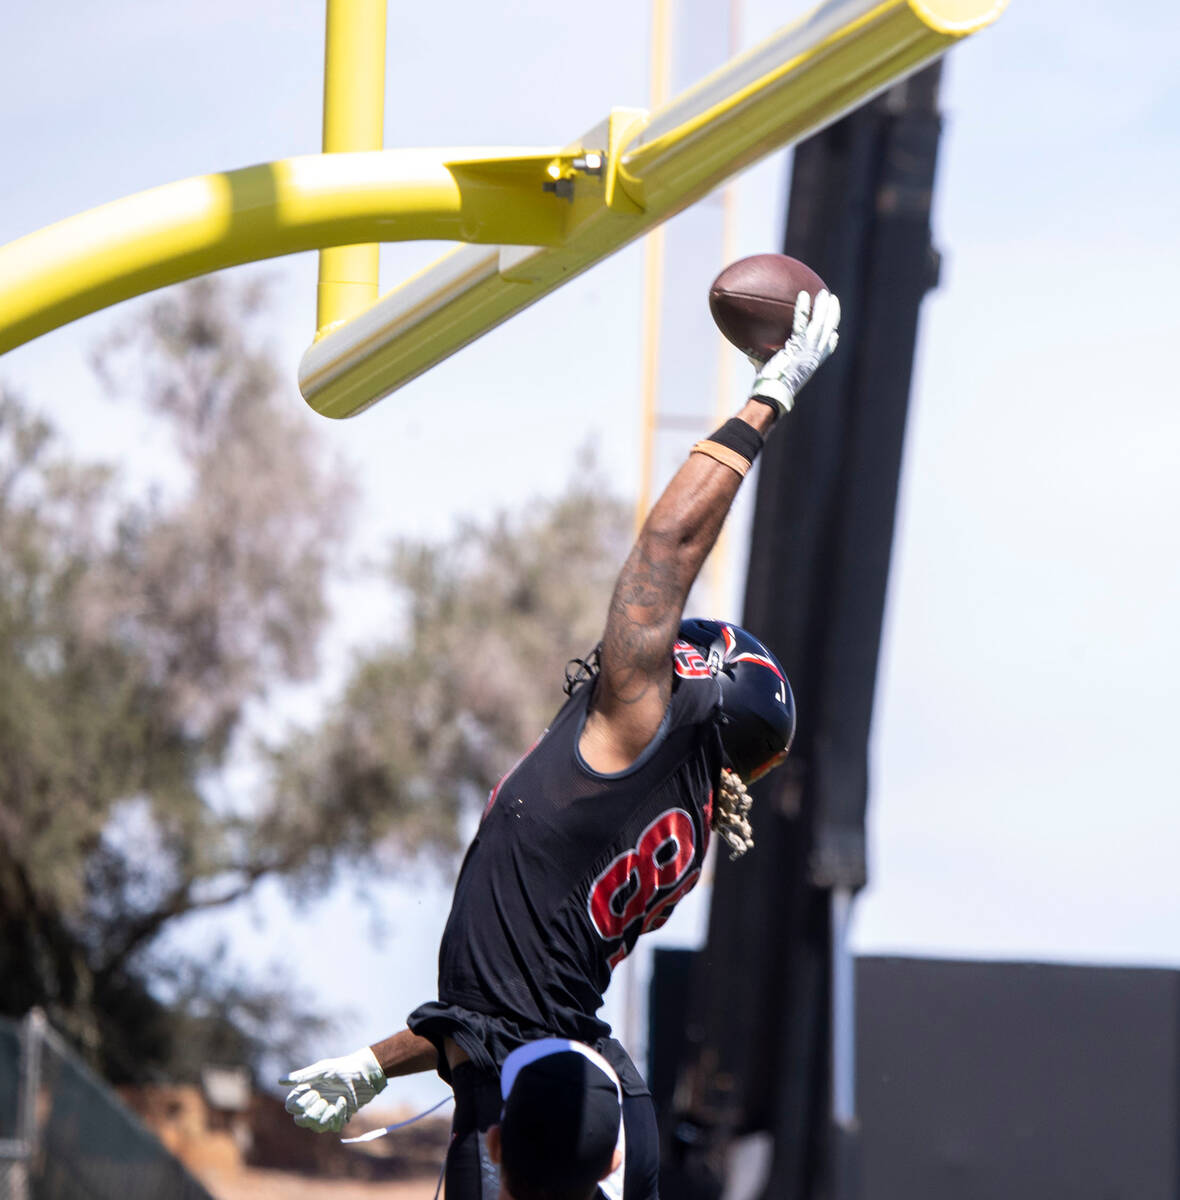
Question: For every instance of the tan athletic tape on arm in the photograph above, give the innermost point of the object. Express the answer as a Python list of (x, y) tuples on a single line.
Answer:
[(724, 455)]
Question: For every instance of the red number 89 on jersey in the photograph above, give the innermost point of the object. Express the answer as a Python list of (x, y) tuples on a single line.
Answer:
[(641, 887)]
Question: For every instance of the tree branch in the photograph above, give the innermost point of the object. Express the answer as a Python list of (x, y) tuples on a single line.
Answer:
[(181, 902)]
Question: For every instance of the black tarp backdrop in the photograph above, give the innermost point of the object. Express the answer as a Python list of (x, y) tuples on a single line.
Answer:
[(991, 1080), (1018, 1081), (757, 1042)]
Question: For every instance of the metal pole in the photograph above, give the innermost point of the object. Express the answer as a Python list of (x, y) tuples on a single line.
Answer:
[(844, 1175), (32, 1035), (719, 573), (354, 119), (653, 279), (653, 288), (843, 1012)]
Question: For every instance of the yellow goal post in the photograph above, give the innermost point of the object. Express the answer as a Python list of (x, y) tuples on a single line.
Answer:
[(529, 219)]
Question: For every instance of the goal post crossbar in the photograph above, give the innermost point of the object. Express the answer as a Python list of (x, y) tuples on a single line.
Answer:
[(632, 172), (530, 219)]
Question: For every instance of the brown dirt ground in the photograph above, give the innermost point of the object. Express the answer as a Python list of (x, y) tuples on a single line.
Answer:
[(253, 1184)]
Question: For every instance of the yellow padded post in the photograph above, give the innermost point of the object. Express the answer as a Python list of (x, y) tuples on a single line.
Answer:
[(354, 119)]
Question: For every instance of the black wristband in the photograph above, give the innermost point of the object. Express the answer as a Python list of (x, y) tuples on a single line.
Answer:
[(771, 404), (736, 435)]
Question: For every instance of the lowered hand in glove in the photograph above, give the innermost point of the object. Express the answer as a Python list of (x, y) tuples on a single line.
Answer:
[(326, 1095)]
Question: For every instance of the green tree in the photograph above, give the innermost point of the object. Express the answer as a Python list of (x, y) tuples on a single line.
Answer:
[(136, 634), (466, 681)]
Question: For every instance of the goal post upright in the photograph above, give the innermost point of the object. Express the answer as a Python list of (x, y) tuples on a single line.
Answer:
[(354, 120)]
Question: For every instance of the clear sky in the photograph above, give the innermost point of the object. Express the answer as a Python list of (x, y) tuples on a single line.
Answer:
[(1024, 796)]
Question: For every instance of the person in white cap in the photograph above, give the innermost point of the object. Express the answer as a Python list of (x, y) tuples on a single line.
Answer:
[(560, 1133)]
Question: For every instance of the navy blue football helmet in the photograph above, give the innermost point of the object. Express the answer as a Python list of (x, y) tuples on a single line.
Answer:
[(758, 708)]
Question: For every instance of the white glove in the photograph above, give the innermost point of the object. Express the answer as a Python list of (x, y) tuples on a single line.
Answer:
[(327, 1094), (813, 338)]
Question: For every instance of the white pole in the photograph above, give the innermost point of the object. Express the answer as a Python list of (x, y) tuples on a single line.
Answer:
[(843, 1013)]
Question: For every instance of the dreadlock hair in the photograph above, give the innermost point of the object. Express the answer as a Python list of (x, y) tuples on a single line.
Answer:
[(731, 814)]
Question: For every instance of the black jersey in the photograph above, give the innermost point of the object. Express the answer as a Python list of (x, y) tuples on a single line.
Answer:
[(570, 866)]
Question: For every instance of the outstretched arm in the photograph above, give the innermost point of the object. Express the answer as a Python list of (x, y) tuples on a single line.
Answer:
[(635, 679)]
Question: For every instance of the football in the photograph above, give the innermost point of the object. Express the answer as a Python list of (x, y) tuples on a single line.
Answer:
[(753, 301)]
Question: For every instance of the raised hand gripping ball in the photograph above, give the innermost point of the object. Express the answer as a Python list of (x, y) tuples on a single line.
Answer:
[(753, 301)]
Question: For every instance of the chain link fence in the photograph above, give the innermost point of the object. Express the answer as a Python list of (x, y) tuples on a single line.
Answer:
[(15, 1114), (64, 1135)]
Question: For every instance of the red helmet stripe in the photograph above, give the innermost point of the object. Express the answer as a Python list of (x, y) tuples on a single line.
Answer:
[(768, 766)]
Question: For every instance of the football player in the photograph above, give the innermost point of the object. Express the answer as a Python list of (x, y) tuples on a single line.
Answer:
[(601, 828)]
